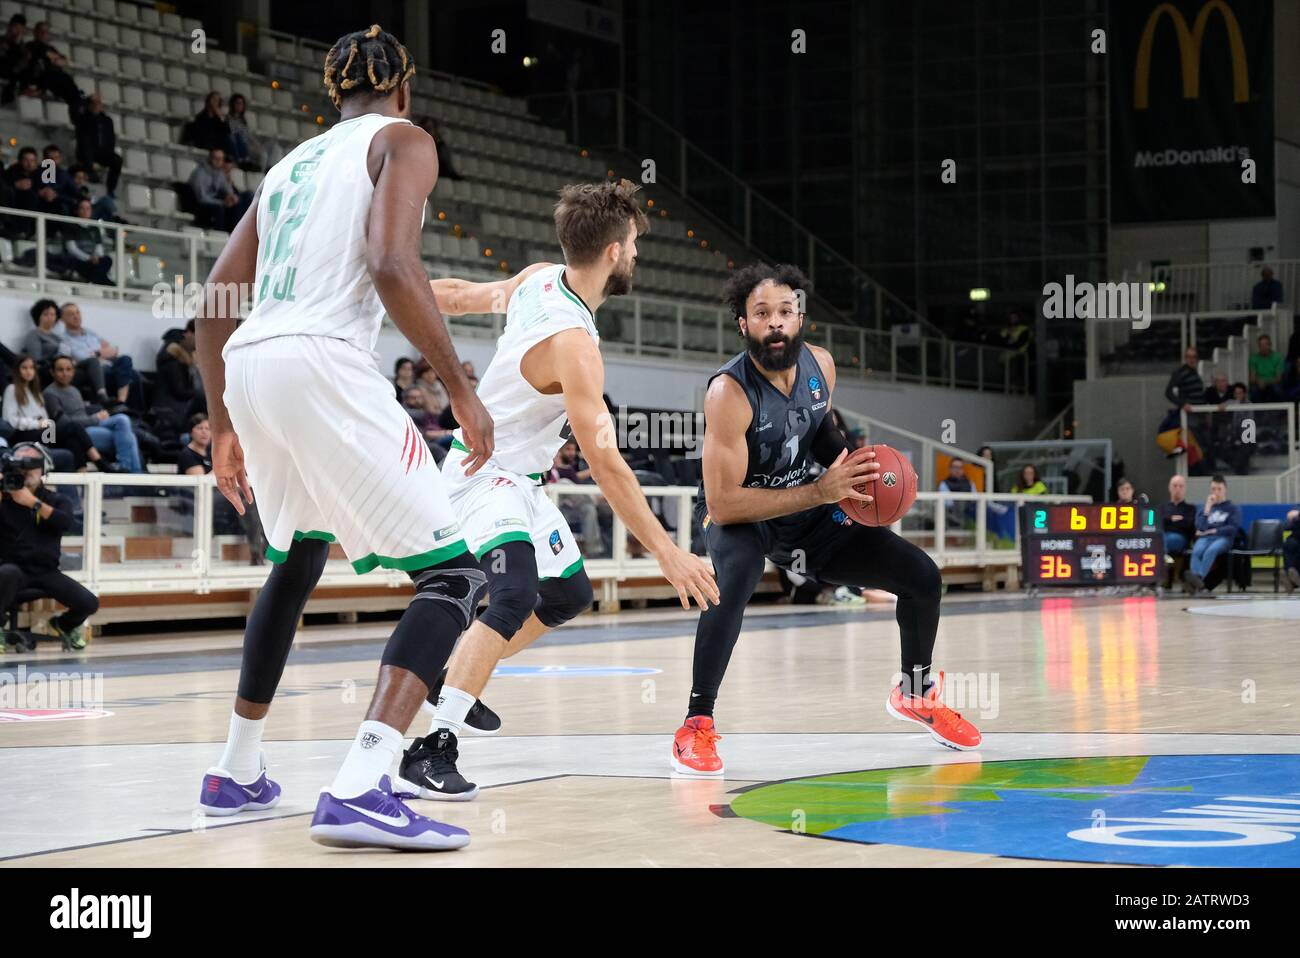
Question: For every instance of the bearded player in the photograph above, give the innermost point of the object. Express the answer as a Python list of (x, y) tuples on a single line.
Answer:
[(547, 369), (767, 419)]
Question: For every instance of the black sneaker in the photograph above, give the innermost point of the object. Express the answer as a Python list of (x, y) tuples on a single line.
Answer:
[(19, 642), (481, 719), (428, 769), (1194, 583)]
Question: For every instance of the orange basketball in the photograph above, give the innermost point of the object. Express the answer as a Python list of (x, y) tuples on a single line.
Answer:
[(892, 492)]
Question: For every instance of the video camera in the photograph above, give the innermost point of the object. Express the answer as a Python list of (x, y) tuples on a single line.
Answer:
[(14, 468)]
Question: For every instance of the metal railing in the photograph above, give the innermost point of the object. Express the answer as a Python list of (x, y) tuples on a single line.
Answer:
[(193, 560), (1106, 335), (1215, 286), (166, 262), (1244, 416), (611, 120), (1287, 486)]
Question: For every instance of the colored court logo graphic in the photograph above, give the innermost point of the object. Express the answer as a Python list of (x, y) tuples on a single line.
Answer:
[(50, 715), (1214, 810)]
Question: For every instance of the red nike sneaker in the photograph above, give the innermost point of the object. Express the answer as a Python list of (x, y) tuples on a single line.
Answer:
[(945, 726), (695, 749)]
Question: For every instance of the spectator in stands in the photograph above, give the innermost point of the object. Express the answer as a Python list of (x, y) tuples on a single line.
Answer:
[(195, 459), (1028, 483), (29, 192), (33, 521), (1177, 518), (65, 190), (469, 369), (959, 514), (43, 342), (427, 378), (1266, 292), (83, 247), (45, 70), (24, 409), (209, 130), (102, 206), (1017, 334), (416, 404), (228, 167), (1266, 369), (1185, 388), (13, 56), (97, 141), (1217, 525), (1125, 494), (245, 148), (986, 452), (581, 512), (180, 390), (220, 207), (1291, 550), (110, 432), (1291, 381), (404, 376), (1219, 393), (111, 374)]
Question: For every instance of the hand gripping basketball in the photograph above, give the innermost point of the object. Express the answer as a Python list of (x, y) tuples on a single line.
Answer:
[(892, 491)]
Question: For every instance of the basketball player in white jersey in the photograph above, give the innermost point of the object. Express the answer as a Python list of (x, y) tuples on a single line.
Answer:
[(331, 244), (547, 368)]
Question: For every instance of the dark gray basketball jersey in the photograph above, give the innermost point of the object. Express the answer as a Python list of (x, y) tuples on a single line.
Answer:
[(782, 428)]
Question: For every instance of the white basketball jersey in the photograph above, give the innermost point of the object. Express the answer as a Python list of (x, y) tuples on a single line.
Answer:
[(312, 219), (528, 423)]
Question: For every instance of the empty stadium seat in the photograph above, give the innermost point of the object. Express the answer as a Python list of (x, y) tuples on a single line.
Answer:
[(164, 202), (137, 197), (162, 166), (31, 109)]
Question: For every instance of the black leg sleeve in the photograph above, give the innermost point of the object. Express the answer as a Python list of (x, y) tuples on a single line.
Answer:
[(274, 620), (876, 558), (738, 553)]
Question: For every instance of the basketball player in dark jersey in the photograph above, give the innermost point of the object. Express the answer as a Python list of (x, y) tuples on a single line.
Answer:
[(767, 420)]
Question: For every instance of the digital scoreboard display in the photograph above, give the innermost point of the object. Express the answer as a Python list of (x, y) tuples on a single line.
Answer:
[(1091, 544)]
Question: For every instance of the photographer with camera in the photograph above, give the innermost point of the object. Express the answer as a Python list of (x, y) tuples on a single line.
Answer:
[(33, 521)]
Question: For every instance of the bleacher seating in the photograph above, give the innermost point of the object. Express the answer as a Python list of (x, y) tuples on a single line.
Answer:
[(141, 63)]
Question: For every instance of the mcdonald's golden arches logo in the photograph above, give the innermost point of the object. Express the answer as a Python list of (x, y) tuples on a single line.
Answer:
[(1189, 52)]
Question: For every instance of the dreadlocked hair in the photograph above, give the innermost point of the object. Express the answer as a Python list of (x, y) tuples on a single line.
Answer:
[(368, 61)]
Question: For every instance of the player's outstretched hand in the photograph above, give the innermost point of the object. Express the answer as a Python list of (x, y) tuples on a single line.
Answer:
[(690, 576), (847, 472), (476, 427), (228, 468)]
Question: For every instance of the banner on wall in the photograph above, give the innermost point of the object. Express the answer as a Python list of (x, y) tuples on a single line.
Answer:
[(1191, 100)]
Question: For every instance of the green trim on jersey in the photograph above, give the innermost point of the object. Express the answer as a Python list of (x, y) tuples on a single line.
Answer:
[(276, 556), (459, 446), (410, 563), (577, 300), (495, 541), (566, 573)]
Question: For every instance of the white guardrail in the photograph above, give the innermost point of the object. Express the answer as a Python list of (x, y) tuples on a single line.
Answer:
[(195, 563)]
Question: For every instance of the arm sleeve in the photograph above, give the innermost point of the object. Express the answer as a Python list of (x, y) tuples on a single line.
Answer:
[(1170, 393), (1200, 520), (1233, 525), (75, 251), (828, 442), (60, 520)]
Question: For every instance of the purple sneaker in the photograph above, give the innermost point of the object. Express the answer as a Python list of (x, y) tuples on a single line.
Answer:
[(380, 819), (222, 795)]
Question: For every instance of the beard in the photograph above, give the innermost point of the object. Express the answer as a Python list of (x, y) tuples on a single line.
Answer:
[(619, 283), (775, 361)]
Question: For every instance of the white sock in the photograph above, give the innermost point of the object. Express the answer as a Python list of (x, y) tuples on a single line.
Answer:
[(243, 755), (373, 753), (453, 706)]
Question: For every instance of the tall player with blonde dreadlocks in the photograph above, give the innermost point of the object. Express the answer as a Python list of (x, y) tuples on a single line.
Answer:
[(331, 244)]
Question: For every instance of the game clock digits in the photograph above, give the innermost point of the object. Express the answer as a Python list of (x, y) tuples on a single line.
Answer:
[(1085, 544)]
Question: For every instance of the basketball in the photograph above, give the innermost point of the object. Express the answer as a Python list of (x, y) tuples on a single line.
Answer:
[(893, 492)]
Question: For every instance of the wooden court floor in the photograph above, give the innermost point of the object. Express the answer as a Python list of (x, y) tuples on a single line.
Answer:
[(1117, 731)]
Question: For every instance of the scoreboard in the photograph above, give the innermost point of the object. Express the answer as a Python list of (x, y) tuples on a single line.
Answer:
[(1091, 544)]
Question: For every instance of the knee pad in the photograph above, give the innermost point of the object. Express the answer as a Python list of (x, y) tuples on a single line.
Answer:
[(512, 590), (459, 587), (560, 600)]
